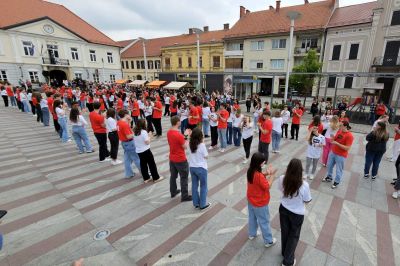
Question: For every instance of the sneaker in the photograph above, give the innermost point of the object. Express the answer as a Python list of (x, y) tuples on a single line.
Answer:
[(69, 140), (252, 237), (277, 151), (187, 198), (196, 207), (395, 195), (107, 159), (311, 177), (148, 180), (294, 263), (80, 152), (206, 207), (271, 244), (176, 193), (90, 151), (116, 162), (219, 150), (391, 160), (129, 177), (327, 179), (159, 179), (374, 177), (211, 148), (305, 177), (222, 150), (244, 161), (366, 176), (334, 185)]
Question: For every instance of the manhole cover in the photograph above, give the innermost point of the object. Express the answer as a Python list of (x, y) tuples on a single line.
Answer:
[(101, 235)]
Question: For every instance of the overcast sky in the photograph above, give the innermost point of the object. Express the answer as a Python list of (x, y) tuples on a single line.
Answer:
[(128, 19)]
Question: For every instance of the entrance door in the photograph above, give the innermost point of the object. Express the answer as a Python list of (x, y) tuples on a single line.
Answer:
[(391, 53), (266, 86), (387, 89), (58, 75)]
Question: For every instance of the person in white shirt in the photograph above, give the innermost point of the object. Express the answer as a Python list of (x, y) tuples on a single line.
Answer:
[(111, 126), (198, 169), (60, 108), (295, 194), (256, 115), (326, 118), (285, 114), (167, 102), (237, 120), (44, 106), (247, 135), (330, 133), (205, 120), (229, 129), (213, 117), (183, 117), (78, 123), (148, 113), (316, 143), (25, 101), (277, 124), (141, 107), (142, 144)]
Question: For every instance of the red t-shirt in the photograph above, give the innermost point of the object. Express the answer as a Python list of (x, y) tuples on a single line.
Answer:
[(172, 109), (50, 102), (136, 112), (82, 97), (176, 151), (212, 103), (102, 105), (344, 139), (258, 192), (296, 118), (200, 112), (225, 115), (341, 119), (320, 127), (157, 113), (10, 93), (266, 125), (380, 109), (236, 106), (194, 112), (123, 130), (96, 120), (396, 136), (120, 104), (34, 101)]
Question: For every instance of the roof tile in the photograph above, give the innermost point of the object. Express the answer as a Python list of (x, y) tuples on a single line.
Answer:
[(352, 15)]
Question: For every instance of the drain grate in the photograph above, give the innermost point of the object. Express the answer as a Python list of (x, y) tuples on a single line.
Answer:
[(101, 235)]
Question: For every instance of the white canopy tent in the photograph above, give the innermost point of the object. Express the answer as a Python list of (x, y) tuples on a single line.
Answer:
[(174, 85), (138, 83)]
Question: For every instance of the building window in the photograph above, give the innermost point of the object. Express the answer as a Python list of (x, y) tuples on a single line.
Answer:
[(138, 64), (127, 64), (150, 64), (201, 61), (216, 61), (78, 75), (167, 62), (309, 43), (348, 82), (353, 55), (96, 77), (74, 54), (234, 47), (122, 64), (132, 64), (336, 52), (142, 64), (34, 76), (257, 45), (256, 64), (279, 44), (189, 62), (332, 82), (277, 63), (28, 48), (3, 75), (395, 18), (92, 54), (112, 78), (180, 62), (158, 64), (110, 58)]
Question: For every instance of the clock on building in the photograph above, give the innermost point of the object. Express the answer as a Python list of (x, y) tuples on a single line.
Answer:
[(48, 29)]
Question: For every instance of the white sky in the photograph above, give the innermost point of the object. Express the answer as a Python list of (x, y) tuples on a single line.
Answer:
[(128, 19)]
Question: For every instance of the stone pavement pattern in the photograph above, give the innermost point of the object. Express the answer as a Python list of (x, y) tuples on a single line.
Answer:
[(57, 200)]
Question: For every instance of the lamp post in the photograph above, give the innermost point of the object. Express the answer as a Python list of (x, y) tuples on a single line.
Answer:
[(198, 31), (145, 57), (293, 15)]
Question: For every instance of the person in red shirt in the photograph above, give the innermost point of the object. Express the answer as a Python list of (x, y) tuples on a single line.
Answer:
[(265, 126), (200, 112), (316, 122), (135, 112), (297, 114), (11, 95), (157, 114), (97, 120), (82, 100), (343, 117), (258, 197), (380, 109), (341, 145), (173, 108), (223, 116), (236, 105), (125, 135), (194, 116), (177, 160), (120, 104)]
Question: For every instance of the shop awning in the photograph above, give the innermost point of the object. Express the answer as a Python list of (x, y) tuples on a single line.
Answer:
[(176, 85), (138, 82), (374, 86), (121, 81), (156, 83)]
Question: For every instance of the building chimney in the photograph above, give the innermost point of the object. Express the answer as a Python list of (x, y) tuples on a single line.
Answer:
[(305, 1), (190, 31), (226, 26), (278, 5), (242, 11), (247, 11), (271, 8), (205, 28)]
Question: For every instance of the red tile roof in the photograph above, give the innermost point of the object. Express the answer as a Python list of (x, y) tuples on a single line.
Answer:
[(313, 16), (125, 43), (153, 46), (352, 15), (19, 12)]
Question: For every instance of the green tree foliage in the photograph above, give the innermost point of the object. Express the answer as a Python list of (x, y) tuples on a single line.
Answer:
[(304, 83)]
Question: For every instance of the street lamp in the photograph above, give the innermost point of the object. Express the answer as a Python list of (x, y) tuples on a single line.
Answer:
[(198, 31), (293, 15), (145, 57)]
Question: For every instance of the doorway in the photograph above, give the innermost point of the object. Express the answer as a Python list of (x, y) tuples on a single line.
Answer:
[(266, 86), (387, 89), (58, 76)]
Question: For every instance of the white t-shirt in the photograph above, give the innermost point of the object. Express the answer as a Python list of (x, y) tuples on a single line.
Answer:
[(3, 93), (277, 123), (183, 114), (247, 131), (285, 115), (325, 119), (206, 111), (329, 132), (141, 104), (197, 159), (315, 149), (296, 204), (230, 118), (60, 112), (236, 121), (43, 103), (166, 100), (140, 144), (148, 110), (81, 121), (24, 97), (213, 116), (111, 124), (30, 96)]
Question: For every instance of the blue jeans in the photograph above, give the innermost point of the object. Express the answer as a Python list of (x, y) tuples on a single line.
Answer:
[(199, 175), (13, 101), (46, 116), (27, 108), (229, 133), (255, 120), (82, 104), (80, 136), (276, 139), (259, 216), (130, 156), (374, 159), (64, 128), (339, 161), (222, 137), (372, 118), (184, 124), (206, 127), (237, 136), (1, 241)]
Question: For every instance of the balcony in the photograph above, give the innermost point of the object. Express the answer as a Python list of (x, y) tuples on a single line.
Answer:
[(387, 61), (233, 53), (299, 51), (55, 61)]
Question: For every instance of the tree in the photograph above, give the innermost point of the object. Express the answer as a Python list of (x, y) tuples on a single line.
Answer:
[(304, 83)]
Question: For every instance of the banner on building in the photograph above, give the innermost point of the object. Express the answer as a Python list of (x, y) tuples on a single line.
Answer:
[(228, 81)]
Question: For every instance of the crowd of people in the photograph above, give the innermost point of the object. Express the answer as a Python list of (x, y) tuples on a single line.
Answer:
[(133, 118)]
